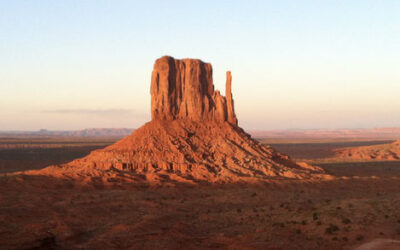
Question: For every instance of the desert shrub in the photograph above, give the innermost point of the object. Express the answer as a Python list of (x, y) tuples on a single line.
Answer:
[(345, 239), (347, 229), (315, 216), (331, 229), (278, 224), (360, 237), (346, 221)]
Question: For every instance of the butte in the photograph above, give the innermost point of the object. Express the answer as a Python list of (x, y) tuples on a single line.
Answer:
[(193, 137)]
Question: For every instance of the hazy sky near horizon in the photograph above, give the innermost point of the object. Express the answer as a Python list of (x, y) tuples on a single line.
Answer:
[(295, 64)]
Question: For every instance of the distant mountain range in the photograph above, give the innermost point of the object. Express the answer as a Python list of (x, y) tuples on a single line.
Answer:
[(89, 132), (374, 133)]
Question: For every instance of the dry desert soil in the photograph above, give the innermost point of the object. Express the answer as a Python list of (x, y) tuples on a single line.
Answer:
[(357, 209)]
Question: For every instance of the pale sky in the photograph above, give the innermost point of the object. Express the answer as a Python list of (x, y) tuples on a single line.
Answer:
[(295, 64)]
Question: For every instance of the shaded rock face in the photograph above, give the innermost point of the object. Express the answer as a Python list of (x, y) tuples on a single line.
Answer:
[(184, 89)]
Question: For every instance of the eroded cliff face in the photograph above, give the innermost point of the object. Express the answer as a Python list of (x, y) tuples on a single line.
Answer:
[(184, 89)]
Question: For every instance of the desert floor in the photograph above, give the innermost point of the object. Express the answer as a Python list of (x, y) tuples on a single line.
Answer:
[(38, 212)]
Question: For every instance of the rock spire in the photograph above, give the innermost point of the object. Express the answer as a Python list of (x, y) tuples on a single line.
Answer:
[(229, 101)]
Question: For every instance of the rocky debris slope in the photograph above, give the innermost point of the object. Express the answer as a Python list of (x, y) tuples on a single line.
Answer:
[(193, 137), (388, 151)]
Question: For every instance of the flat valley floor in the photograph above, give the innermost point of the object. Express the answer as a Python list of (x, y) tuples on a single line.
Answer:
[(38, 212)]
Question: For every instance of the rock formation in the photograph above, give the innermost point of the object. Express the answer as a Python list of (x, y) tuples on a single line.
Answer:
[(184, 89), (382, 152), (193, 137), (231, 116)]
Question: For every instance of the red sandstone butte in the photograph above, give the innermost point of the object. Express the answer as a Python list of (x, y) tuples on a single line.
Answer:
[(193, 137), (184, 89)]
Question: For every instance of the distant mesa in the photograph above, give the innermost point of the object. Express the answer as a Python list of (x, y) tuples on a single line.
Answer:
[(89, 132), (385, 152), (193, 137)]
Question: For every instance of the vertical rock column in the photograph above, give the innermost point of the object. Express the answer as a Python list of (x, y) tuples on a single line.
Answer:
[(229, 101)]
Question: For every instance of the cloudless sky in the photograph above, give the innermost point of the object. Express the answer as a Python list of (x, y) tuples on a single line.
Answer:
[(295, 64)]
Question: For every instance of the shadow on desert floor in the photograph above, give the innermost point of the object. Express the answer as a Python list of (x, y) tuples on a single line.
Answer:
[(38, 211)]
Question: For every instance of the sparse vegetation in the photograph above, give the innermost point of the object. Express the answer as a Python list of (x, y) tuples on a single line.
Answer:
[(346, 221), (331, 229), (360, 237)]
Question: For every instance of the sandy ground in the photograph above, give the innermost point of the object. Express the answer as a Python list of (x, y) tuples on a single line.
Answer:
[(357, 210), (380, 244), (44, 213)]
